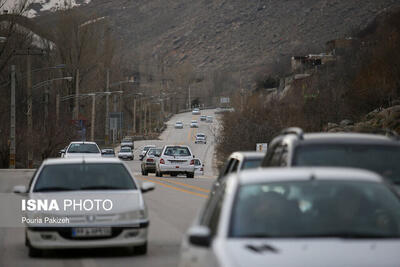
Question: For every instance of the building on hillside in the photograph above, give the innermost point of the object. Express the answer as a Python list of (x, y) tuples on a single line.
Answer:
[(302, 63)]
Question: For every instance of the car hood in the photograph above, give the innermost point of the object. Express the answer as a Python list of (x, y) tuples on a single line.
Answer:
[(88, 155), (310, 253)]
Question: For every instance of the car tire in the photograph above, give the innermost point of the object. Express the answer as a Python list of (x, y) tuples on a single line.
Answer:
[(190, 175), (174, 174), (140, 250), (145, 173), (158, 174)]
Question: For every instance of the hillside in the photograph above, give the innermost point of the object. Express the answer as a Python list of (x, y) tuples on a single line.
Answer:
[(233, 35)]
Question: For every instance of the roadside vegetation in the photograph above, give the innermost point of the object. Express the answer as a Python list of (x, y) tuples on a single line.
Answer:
[(363, 79)]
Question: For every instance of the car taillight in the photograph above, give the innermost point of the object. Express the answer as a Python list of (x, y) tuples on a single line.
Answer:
[(162, 161), (201, 169), (149, 160), (192, 162)]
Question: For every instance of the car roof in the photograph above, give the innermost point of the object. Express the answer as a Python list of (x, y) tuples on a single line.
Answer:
[(303, 174), (80, 160), (83, 142), (200, 134), (247, 155), (345, 138)]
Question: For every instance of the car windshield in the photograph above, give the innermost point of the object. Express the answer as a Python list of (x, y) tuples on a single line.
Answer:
[(177, 151), (83, 148), (201, 135), (154, 151), (126, 149), (108, 151), (382, 159), (194, 121), (312, 209), (92, 176), (147, 148), (251, 163)]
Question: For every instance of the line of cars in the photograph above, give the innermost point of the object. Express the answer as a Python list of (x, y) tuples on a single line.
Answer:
[(318, 199), (173, 160)]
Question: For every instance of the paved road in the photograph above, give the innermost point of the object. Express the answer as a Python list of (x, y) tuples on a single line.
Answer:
[(172, 207)]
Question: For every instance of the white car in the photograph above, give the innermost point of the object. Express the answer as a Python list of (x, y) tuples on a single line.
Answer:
[(178, 125), (198, 167), (81, 149), (194, 124), (209, 119), (119, 219), (196, 111), (297, 217), (128, 143), (203, 117), (200, 138), (125, 153), (175, 160), (144, 151)]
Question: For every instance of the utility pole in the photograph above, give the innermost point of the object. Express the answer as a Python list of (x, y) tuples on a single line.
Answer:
[(93, 117), (107, 133), (189, 106), (28, 53), (12, 127), (57, 106), (29, 113), (134, 115), (150, 125), (144, 121), (76, 108)]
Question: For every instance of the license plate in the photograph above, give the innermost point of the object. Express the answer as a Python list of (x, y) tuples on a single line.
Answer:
[(91, 231)]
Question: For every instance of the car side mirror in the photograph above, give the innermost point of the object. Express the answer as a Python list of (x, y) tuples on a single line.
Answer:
[(193, 156), (62, 151), (20, 189), (199, 236), (147, 186), (202, 164)]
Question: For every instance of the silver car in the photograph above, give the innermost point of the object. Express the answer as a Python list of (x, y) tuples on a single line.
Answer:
[(297, 217), (123, 222), (175, 160), (81, 148), (126, 153), (200, 138)]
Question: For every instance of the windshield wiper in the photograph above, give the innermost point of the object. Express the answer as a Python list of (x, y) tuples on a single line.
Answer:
[(102, 187), (53, 189)]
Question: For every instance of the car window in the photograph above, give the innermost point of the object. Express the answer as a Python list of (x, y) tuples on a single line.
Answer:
[(154, 151), (326, 208), (197, 162), (93, 176), (177, 151), (125, 149), (251, 163), (276, 156), (382, 159), (83, 148), (284, 156), (212, 210), (235, 166)]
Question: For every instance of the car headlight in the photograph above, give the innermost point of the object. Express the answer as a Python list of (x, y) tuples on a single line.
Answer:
[(131, 215)]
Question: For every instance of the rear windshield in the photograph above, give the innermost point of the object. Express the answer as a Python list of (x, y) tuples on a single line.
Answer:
[(154, 151), (177, 151), (147, 148), (83, 148), (251, 164), (126, 149), (93, 176), (378, 158), (200, 135)]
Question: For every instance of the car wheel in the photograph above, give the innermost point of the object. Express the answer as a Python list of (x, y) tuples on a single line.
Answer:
[(174, 174), (158, 174), (145, 173), (190, 175), (140, 250)]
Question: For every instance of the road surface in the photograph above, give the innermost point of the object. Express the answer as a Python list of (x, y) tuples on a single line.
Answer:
[(172, 207)]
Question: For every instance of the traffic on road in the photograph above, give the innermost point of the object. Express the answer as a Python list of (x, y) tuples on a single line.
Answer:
[(311, 200)]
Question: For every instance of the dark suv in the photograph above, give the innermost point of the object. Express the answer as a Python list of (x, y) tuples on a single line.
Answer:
[(374, 152)]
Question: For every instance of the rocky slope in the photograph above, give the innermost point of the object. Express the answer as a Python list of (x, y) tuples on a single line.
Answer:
[(233, 34)]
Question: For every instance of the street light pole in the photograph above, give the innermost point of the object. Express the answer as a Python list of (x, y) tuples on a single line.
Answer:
[(76, 108), (107, 126), (93, 117), (12, 127), (134, 115)]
